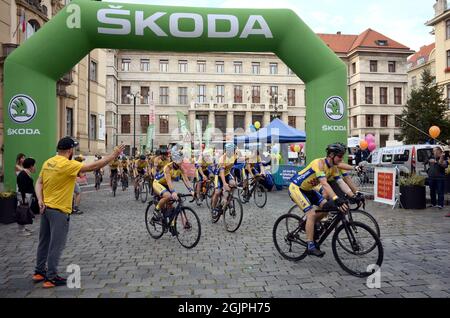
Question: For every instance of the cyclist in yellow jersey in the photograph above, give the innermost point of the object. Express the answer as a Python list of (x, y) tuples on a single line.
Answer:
[(114, 169), (140, 169), (224, 178), (201, 171), (301, 191), (163, 182)]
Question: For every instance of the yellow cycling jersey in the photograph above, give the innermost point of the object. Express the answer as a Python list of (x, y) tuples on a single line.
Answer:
[(141, 165), (124, 164), (114, 165), (227, 164), (161, 176), (310, 177)]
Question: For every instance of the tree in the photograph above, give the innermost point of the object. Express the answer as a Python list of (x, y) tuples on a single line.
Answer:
[(425, 108)]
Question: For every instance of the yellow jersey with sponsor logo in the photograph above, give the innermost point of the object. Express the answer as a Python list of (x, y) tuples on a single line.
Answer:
[(114, 165), (161, 176), (141, 164), (309, 178), (227, 164)]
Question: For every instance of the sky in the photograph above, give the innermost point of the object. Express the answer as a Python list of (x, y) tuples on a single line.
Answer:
[(401, 20)]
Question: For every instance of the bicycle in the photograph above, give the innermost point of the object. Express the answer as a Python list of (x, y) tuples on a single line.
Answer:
[(114, 184), (353, 238), (138, 186), (98, 180), (231, 209), (361, 178), (206, 192), (144, 189), (354, 214), (124, 181), (180, 221), (256, 189)]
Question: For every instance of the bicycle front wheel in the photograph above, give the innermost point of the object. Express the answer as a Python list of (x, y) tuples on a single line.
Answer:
[(366, 218), (144, 192), (289, 237), (357, 249), (260, 196), (187, 225), (232, 215)]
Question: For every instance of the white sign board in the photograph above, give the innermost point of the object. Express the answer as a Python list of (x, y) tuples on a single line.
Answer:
[(101, 127), (384, 185)]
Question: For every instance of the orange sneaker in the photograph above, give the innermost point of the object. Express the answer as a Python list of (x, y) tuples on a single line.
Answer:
[(57, 281), (38, 277)]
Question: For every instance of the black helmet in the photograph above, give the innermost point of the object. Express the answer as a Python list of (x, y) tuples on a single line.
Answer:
[(142, 157), (336, 149)]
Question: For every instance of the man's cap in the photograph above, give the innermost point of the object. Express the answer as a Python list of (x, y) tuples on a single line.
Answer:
[(67, 143)]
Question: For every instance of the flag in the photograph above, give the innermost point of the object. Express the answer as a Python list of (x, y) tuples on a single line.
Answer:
[(150, 136), (23, 21), (184, 127)]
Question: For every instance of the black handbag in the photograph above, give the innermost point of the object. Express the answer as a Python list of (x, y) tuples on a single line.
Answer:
[(24, 215)]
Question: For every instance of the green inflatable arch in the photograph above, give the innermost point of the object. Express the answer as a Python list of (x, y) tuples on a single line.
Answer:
[(32, 70)]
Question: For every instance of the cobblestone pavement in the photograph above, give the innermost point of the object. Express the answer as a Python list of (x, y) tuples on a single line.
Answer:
[(119, 259)]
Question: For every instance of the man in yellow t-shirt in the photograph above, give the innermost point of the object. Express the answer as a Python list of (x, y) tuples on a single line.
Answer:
[(54, 190)]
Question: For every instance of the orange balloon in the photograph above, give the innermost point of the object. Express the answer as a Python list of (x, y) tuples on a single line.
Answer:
[(363, 144), (435, 131)]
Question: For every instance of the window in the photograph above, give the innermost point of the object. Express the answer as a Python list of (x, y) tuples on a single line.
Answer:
[(182, 96), (291, 97), (204, 119), (145, 94), (355, 122), (382, 42), (404, 157), (383, 95), (126, 65), (384, 120), (256, 94), (448, 58), (201, 66), (447, 24), (93, 71), (125, 124), (164, 95), (292, 121), (256, 68), (398, 122), (355, 97), (373, 66), (31, 28), (424, 154), (220, 94), (398, 96), (238, 94), (220, 67), (201, 94), (163, 124), (369, 120), (421, 61), (125, 91), (273, 94), (145, 65), (239, 121), (183, 66), (93, 127), (164, 66), (369, 95), (69, 122), (392, 66), (353, 68), (221, 122), (144, 123), (273, 68), (238, 67), (257, 117)]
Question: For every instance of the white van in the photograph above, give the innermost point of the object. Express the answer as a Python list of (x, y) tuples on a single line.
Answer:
[(404, 157)]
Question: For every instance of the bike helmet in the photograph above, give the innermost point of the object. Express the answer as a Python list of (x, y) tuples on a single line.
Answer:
[(336, 149), (177, 157), (230, 147), (142, 157)]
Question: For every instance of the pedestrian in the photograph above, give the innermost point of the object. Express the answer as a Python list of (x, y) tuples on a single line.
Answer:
[(26, 191), (54, 190), (358, 155), (19, 163), (436, 177)]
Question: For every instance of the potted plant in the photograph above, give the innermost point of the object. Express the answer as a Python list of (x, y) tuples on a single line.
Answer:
[(8, 204), (413, 192)]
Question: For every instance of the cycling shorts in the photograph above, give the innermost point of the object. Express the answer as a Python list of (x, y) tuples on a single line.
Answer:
[(218, 184), (305, 199)]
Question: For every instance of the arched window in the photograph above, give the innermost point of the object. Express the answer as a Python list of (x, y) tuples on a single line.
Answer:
[(32, 27)]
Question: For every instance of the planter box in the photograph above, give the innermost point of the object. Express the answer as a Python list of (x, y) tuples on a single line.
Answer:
[(8, 210), (413, 197)]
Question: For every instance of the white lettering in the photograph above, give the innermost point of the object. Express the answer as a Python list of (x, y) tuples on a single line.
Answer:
[(23, 131), (334, 128), (74, 280), (198, 25), (150, 23), (249, 27), (73, 21), (212, 26), (125, 24), (374, 280)]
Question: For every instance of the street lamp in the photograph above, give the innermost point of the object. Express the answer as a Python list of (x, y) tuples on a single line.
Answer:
[(134, 96), (274, 97)]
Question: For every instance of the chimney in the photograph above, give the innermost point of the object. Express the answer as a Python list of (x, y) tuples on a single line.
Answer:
[(440, 7), (339, 33)]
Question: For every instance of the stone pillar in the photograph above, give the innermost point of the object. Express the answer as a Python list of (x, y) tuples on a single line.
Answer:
[(266, 119), (230, 122), (192, 121), (285, 117), (212, 119), (248, 120)]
